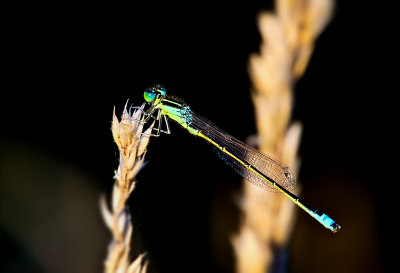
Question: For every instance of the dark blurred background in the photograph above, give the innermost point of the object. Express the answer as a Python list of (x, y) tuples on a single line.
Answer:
[(62, 75)]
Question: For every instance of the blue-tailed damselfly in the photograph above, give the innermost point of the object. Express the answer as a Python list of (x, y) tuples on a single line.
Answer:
[(260, 169)]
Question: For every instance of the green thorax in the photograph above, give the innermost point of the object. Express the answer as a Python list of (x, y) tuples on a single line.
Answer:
[(176, 110)]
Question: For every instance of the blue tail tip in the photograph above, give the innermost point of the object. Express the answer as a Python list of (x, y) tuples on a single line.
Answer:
[(326, 221)]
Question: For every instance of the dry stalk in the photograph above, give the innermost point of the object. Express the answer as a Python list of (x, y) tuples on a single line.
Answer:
[(132, 144), (288, 38)]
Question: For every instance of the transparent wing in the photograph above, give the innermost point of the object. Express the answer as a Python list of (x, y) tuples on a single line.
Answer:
[(267, 165)]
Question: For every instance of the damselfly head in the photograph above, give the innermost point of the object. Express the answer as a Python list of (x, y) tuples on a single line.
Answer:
[(152, 93)]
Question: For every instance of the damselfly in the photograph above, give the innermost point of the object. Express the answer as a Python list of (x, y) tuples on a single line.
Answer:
[(260, 169)]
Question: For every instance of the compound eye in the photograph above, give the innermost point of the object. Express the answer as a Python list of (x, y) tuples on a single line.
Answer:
[(149, 95)]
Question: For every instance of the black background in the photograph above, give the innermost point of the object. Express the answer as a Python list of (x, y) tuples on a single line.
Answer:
[(62, 75)]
